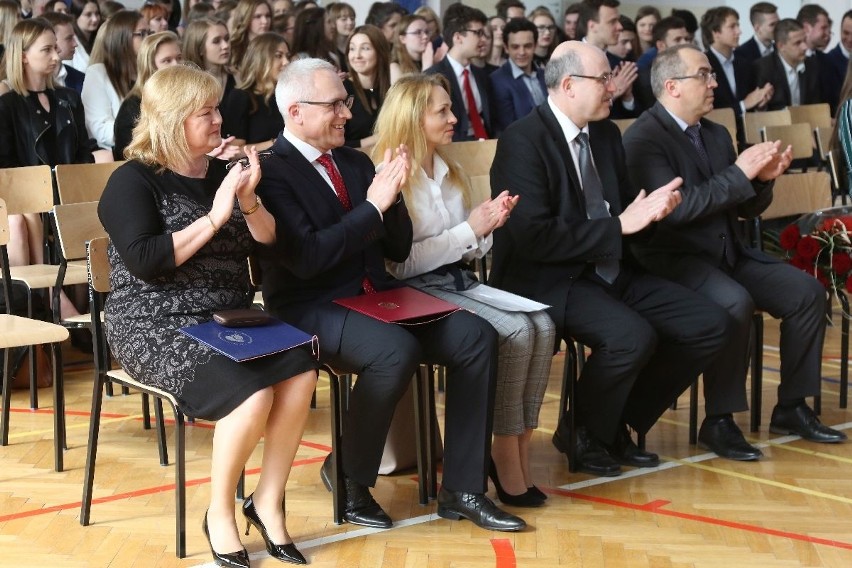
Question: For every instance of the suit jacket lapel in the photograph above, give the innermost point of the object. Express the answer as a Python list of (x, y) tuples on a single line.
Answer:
[(782, 74), (310, 177), (679, 136), (555, 131), (602, 155)]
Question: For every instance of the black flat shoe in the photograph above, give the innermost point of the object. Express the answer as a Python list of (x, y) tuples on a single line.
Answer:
[(361, 508), (478, 509), (720, 434), (239, 559), (626, 452), (525, 499), (283, 552)]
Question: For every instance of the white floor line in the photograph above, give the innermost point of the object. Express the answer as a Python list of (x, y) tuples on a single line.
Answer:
[(666, 465)]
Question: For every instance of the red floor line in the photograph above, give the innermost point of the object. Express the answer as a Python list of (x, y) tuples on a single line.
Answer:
[(137, 493), (505, 554), (704, 519)]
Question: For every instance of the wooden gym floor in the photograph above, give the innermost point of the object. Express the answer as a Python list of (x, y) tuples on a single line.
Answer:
[(792, 508)]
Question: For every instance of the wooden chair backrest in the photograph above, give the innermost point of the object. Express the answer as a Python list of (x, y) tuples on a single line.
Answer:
[(822, 136), (4, 224), (623, 124), (798, 135), (98, 264), (817, 115), (475, 160), (27, 190), (796, 194), (725, 117), (77, 223), (79, 183), (754, 121)]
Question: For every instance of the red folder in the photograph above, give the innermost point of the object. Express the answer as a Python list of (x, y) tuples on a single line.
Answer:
[(404, 305)]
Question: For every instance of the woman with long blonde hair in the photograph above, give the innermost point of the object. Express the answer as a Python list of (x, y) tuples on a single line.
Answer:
[(250, 19), (158, 51), (207, 43), (250, 113), (453, 228)]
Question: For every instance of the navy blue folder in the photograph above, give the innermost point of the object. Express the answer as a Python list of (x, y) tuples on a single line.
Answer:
[(245, 343)]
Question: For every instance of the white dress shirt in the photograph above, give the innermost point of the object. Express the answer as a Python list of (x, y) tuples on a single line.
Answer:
[(442, 234), (792, 74)]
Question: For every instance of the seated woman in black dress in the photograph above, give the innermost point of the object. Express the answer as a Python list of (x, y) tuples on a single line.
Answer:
[(369, 81), (249, 112), (181, 227), (157, 51)]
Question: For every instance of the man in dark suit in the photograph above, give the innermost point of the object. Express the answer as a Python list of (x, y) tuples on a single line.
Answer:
[(720, 30), (838, 58), (795, 79), (464, 33), (517, 86), (337, 220), (764, 17), (599, 25), (66, 43), (564, 246), (817, 26), (667, 32), (701, 246)]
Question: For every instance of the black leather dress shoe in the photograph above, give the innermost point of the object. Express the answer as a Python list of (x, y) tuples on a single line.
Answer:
[(801, 420), (361, 508), (720, 434), (626, 452), (478, 509), (592, 457)]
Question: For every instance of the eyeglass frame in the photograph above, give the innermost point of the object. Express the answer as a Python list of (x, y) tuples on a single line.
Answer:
[(709, 77), (244, 161), (480, 32), (605, 79), (417, 33), (551, 28), (337, 106)]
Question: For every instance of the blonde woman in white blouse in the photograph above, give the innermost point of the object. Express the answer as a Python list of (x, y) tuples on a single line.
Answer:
[(450, 232)]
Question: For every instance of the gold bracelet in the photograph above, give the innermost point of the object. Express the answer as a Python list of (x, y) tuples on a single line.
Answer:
[(212, 224), (253, 208)]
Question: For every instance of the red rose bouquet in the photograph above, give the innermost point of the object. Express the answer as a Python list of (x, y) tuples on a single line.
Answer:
[(825, 252)]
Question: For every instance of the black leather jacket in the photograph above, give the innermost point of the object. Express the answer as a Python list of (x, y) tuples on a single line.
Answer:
[(22, 131)]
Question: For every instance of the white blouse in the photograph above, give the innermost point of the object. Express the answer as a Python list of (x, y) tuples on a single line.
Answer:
[(80, 61), (101, 103), (442, 234)]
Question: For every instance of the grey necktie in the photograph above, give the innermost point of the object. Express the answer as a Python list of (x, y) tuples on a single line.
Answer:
[(595, 204), (694, 134)]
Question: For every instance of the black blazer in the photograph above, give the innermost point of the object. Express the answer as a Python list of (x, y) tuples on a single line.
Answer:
[(724, 95), (770, 69), (324, 252), (749, 52), (74, 79), (444, 68), (512, 98), (705, 223), (548, 241)]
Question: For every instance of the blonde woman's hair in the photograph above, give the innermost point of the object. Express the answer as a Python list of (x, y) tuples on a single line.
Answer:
[(255, 74), (146, 64), (10, 15), (400, 121), (169, 97), (23, 36), (195, 39)]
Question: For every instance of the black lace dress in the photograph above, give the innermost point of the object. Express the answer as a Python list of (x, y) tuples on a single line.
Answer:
[(151, 298)]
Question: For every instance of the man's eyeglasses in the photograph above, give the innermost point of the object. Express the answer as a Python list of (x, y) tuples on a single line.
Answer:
[(706, 76), (604, 79), (244, 161), (336, 106), (480, 32)]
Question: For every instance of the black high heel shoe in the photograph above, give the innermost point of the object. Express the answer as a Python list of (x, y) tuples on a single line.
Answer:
[(535, 491), (283, 552), (525, 499), (238, 559)]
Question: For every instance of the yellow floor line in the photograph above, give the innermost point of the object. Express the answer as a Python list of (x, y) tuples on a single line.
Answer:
[(762, 481)]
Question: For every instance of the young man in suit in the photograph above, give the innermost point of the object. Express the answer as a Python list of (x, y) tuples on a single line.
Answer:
[(764, 17), (817, 27), (720, 28), (599, 25), (564, 245), (795, 79), (668, 32), (66, 43), (838, 58), (517, 86), (464, 32), (337, 220), (701, 246)]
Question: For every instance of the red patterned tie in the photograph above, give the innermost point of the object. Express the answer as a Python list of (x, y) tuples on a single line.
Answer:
[(343, 195), (472, 113)]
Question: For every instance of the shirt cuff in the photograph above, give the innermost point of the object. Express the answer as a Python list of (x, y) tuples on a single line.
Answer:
[(465, 237), (379, 211)]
